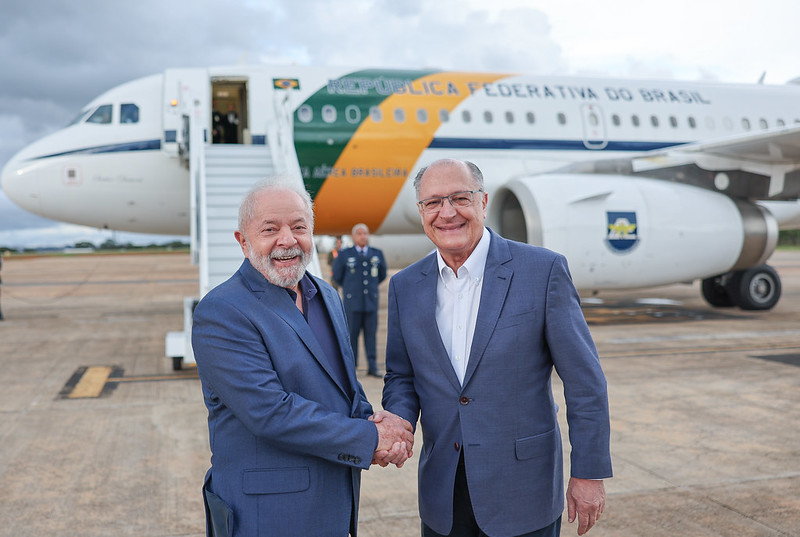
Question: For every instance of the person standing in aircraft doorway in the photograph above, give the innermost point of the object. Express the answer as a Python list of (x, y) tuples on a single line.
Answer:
[(359, 270), (217, 124), (231, 125)]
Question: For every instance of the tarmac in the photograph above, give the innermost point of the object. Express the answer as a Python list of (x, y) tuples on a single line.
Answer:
[(704, 408)]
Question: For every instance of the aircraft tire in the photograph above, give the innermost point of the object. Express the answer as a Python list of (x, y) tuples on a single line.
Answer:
[(756, 288), (716, 294)]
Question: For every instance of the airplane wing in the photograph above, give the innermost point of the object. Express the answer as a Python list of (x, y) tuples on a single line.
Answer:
[(764, 165)]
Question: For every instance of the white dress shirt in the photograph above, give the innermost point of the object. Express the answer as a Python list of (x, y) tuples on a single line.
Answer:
[(457, 299)]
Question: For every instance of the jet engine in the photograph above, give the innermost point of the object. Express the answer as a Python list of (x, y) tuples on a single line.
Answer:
[(623, 232)]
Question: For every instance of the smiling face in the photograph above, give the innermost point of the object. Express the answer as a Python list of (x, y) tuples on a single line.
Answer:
[(278, 238), (455, 231)]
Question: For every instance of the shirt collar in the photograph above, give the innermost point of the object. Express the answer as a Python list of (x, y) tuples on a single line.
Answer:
[(475, 263), (307, 288)]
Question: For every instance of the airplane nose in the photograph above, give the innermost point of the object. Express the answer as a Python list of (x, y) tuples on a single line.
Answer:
[(20, 183)]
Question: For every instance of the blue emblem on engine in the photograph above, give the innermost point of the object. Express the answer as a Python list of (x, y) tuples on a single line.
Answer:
[(622, 233)]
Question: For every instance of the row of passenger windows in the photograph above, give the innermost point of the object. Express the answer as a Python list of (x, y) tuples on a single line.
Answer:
[(352, 114), (103, 114)]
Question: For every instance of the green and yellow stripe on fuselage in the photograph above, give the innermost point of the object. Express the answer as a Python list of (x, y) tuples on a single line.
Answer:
[(355, 166)]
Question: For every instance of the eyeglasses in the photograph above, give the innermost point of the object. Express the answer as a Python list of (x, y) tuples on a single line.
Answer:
[(456, 199)]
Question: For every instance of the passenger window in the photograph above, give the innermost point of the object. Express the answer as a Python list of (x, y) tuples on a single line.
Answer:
[(305, 114), (375, 114), (399, 115), (673, 121), (328, 113), (487, 116), (745, 124), (509, 117), (780, 123), (762, 123), (615, 120), (101, 116), (422, 115), (128, 113), (466, 116), (352, 114), (635, 120), (710, 124), (530, 117), (692, 122), (727, 123), (562, 118), (444, 115), (654, 121)]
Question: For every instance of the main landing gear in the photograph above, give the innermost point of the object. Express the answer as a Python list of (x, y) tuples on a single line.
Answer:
[(756, 288)]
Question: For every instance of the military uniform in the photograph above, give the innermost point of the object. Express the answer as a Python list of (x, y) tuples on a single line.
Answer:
[(359, 275)]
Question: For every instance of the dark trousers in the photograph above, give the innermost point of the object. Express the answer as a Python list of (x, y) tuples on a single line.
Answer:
[(464, 524), (368, 322)]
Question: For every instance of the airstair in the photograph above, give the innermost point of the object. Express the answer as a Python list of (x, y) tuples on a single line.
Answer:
[(220, 175)]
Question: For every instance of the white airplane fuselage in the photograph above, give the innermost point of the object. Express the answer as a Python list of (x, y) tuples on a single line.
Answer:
[(595, 168)]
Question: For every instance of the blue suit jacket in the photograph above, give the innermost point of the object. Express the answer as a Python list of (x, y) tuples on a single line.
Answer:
[(503, 417), (359, 277), (287, 441)]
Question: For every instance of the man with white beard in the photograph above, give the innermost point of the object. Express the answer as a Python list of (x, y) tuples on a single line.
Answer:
[(290, 427)]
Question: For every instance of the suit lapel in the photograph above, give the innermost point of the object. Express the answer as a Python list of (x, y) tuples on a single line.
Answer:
[(281, 303), (425, 310), (333, 305), (496, 281)]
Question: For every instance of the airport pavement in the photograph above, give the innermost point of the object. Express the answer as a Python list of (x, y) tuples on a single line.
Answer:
[(704, 405)]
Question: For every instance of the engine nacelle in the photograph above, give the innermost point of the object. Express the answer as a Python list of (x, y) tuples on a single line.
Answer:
[(623, 232)]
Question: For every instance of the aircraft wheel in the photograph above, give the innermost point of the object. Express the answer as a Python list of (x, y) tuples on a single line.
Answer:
[(715, 292), (756, 288)]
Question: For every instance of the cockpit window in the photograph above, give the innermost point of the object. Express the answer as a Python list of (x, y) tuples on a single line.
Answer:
[(101, 116), (80, 117), (128, 113)]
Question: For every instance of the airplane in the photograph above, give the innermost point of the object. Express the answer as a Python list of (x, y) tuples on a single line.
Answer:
[(639, 183)]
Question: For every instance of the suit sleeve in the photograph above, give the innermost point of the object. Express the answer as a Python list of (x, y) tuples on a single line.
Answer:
[(399, 394), (238, 375), (577, 363)]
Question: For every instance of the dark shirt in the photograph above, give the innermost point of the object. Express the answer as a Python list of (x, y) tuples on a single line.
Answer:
[(316, 315)]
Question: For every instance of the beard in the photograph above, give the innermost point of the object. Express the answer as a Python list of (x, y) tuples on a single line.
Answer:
[(286, 277)]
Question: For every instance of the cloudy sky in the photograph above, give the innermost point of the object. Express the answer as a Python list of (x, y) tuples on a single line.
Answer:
[(56, 56)]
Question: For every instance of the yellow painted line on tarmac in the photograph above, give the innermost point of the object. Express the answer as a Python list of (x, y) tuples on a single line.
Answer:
[(91, 383)]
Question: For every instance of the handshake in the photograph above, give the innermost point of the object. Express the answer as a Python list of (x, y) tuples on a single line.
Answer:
[(395, 439)]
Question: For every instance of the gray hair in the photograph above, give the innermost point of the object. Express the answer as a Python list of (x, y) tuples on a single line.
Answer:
[(359, 226), (476, 173), (274, 184)]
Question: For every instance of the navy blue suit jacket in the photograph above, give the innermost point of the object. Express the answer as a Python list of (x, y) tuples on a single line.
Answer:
[(288, 442), (359, 277), (503, 417)]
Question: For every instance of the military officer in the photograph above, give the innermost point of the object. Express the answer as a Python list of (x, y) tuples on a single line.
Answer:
[(359, 270)]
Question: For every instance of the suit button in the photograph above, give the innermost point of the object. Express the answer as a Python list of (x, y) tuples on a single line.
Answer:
[(464, 400), (456, 446)]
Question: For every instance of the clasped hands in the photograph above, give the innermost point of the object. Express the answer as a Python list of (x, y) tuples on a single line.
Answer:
[(395, 439)]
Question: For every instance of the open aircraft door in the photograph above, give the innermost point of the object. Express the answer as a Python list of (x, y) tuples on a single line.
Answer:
[(186, 95)]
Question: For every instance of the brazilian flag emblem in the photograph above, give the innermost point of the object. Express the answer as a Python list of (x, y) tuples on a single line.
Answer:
[(285, 83)]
